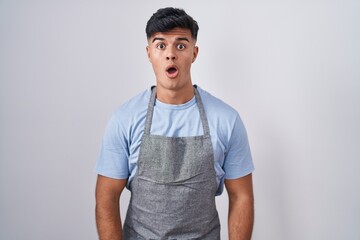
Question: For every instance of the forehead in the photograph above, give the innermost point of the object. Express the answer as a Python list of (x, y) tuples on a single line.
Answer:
[(173, 34)]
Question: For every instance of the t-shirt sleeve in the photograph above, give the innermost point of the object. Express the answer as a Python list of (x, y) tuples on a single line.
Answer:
[(114, 153), (238, 161)]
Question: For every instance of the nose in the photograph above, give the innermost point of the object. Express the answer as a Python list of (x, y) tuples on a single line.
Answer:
[(170, 55)]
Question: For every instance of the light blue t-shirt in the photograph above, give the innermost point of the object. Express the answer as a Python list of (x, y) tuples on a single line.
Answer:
[(121, 143)]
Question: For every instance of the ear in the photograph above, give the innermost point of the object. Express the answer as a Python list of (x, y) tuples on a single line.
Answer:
[(195, 53), (148, 52)]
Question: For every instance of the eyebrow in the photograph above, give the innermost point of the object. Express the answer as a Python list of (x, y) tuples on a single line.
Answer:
[(183, 39), (178, 39), (157, 38)]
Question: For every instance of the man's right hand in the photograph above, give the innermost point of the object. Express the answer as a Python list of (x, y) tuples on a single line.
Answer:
[(108, 222)]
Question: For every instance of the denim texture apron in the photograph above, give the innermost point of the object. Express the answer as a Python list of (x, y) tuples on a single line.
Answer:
[(173, 190)]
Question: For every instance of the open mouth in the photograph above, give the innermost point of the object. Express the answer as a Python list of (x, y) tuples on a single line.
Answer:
[(171, 71)]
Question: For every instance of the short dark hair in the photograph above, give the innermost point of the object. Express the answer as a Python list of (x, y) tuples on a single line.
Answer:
[(169, 18)]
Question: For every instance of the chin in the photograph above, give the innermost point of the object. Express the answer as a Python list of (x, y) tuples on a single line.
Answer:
[(168, 86), (172, 83)]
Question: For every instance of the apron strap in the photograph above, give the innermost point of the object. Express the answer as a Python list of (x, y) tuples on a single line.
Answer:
[(203, 118), (150, 111)]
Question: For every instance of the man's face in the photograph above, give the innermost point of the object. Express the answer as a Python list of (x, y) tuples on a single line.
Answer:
[(171, 55)]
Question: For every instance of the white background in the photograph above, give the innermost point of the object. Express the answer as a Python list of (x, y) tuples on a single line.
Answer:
[(291, 69)]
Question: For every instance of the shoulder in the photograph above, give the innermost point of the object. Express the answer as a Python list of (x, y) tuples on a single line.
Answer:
[(215, 106), (224, 120), (131, 113), (134, 107)]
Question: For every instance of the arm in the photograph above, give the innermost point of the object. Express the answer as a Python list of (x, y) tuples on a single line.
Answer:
[(108, 191), (241, 207)]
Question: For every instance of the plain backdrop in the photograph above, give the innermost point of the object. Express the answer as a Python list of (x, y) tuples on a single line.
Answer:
[(291, 69)]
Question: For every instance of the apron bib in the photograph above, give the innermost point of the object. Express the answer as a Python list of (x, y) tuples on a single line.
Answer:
[(173, 190)]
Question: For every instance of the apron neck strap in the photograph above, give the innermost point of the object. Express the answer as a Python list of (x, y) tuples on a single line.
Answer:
[(150, 111)]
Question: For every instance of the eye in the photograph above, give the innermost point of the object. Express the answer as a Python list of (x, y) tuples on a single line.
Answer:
[(160, 46), (181, 46)]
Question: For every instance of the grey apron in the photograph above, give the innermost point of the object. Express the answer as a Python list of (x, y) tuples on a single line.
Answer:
[(173, 190)]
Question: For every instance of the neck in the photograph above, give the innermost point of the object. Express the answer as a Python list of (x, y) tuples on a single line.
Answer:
[(176, 96)]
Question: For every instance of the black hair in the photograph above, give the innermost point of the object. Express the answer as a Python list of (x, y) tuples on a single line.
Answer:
[(168, 18)]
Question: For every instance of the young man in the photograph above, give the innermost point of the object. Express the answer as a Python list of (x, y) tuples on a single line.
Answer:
[(174, 146)]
